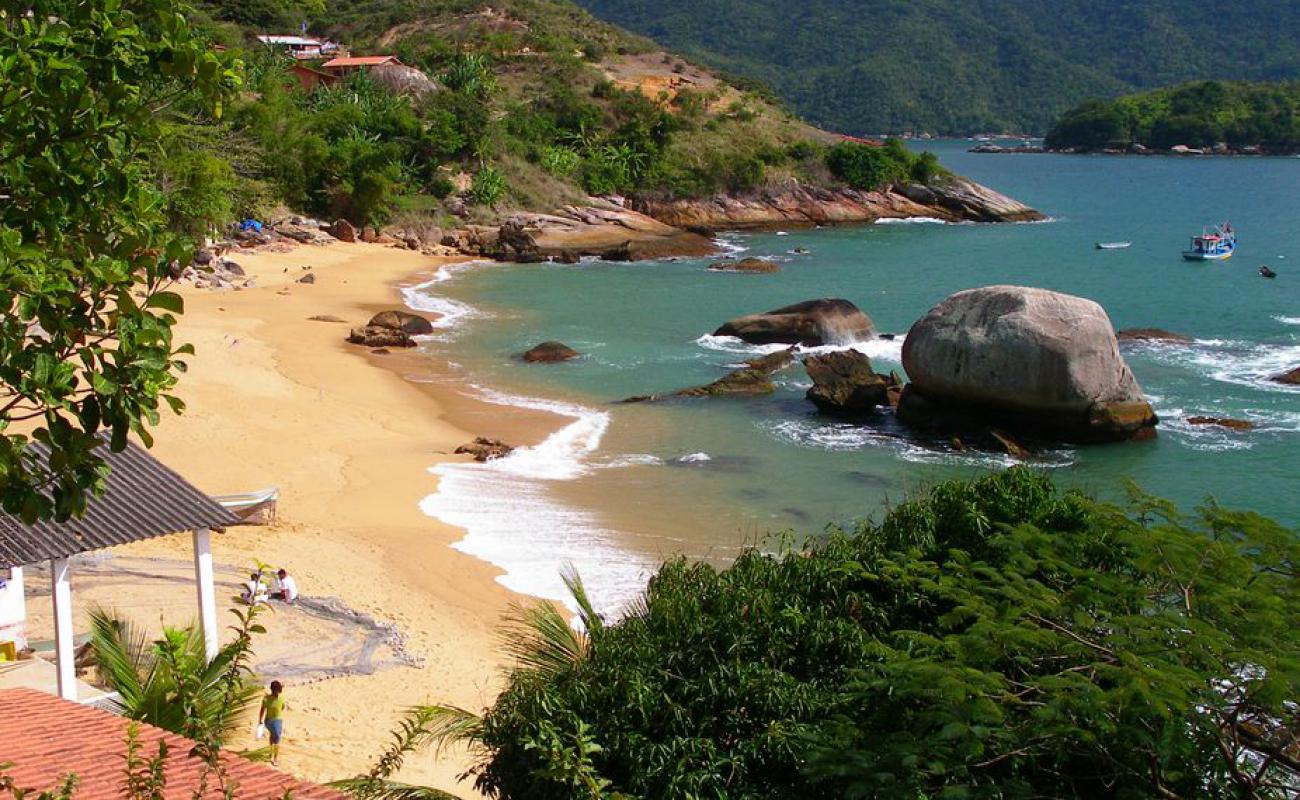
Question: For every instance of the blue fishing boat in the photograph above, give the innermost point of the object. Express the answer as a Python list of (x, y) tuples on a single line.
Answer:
[(1216, 246)]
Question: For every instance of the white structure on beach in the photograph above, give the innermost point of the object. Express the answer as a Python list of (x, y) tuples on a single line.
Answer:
[(143, 500)]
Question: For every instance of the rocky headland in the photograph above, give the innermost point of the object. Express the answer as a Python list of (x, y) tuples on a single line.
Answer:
[(794, 204)]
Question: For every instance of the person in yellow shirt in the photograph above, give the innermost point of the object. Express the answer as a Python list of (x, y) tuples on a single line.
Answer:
[(272, 716)]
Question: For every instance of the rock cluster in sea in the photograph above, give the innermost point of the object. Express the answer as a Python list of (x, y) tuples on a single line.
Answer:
[(1001, 367)]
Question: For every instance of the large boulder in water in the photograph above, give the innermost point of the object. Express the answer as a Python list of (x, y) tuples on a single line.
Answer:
[(813, 322), (1026, 359)]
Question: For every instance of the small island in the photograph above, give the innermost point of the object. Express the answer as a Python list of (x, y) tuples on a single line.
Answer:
[(1201, 118)]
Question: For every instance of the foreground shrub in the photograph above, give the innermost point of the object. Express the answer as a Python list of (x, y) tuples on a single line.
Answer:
[(994, 638)]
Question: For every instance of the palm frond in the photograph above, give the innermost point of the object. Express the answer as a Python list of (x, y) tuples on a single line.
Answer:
[(389, 790), (423, 726), (123, 657), (540, 638), (586, 611)]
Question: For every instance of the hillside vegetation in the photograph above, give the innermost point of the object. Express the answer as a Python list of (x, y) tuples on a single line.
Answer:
[(536, 105), (1239, 116), (961, 66)]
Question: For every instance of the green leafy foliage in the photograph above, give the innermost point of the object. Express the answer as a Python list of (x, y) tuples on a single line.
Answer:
[(84, 242), (869, 167), (987, 639), (1204, 114), (960, 67)]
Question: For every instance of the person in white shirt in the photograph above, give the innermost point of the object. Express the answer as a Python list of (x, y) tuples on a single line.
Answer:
[(285, 588), (254, 591)]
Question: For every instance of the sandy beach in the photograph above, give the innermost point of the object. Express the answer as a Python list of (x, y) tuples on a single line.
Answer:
[(275, 398)]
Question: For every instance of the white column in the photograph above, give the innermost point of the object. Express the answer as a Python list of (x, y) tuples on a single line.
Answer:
[(207, 590), (65, 664)]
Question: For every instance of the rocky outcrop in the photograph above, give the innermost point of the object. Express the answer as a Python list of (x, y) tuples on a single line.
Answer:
[(549, 353), (1290, 378), (391, 329), (405, 321), (603, 229), (1152, 335), (812, 322), (845, 384), (752, 265), (794, 204), (343, 230), (380, 337), (484, 449), (754, 378), (1027, 360), (1222, 422)]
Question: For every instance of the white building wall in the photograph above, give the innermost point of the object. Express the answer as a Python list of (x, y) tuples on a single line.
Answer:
[(13, 608)]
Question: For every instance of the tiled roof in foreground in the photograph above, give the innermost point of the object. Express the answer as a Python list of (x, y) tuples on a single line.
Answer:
[(44, 738), (143, 499)]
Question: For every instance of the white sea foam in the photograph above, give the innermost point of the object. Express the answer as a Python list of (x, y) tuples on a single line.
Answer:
[(1242, 363), (451, 313), (506, 506), (878, 348), (511, 519), (730, 243), (911, 221), (846, 436), (631, 460), (695, 458), (1288, 320)]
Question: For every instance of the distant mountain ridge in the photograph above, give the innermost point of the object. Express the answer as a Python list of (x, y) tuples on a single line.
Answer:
[(965, 66)]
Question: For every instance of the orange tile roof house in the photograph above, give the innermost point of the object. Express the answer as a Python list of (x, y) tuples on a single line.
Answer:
[(341, 66), (43, 739)]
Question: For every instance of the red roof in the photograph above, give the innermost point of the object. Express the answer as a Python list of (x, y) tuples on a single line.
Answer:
[(359, 61), (45, 738)]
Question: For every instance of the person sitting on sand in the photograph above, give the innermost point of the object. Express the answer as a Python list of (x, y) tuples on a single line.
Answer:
[(272, 716), (254, 591), (285, 587)]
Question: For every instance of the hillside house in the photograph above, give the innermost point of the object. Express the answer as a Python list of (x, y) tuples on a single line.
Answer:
[(301, 47), (347, 65)]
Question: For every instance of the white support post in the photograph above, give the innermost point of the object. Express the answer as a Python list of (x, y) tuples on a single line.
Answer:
[(64, 655), (207, 590)]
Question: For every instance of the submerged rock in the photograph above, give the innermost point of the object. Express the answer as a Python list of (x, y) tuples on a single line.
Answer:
[(1222, 422), (409, 323), (549, 353), (813, 322), (1152, 335), (754, 378), (1024, 359), (484, 449), (753, 265), (845, 384), (1291, 377)]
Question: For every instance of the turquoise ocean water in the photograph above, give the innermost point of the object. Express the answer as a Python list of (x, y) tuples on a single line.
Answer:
[(620, 487)]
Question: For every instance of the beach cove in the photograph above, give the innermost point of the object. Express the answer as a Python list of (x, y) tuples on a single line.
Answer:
[(706, 477)]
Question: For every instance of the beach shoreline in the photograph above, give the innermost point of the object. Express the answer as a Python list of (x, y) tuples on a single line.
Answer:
[(277, 398)]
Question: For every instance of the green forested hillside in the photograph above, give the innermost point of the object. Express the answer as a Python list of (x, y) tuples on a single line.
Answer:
[(960, 66), (1239, 116)]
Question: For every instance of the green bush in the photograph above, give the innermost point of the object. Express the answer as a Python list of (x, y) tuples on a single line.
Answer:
[(988, 639), (868, 167), (488, 187)]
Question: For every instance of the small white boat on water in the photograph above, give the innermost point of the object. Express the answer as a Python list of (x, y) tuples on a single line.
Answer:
[(1113, 245)]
